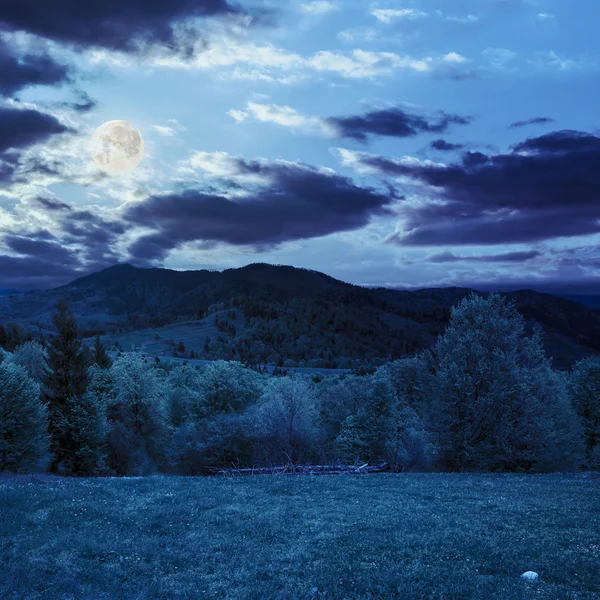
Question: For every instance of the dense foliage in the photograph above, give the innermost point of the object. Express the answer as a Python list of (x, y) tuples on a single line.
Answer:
[(484, 398)]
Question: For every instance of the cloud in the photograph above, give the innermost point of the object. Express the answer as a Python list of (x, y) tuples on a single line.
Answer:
[(26, 272), (164, 131), (285, 116), (444, 146), (389, 122), (112, 24), (392, 122), (544, 16), (358, 34), (499, 57), (319, 7), (48, 250), (546, 187), (85, 103), (387, 15), (55, 243), (280, 205), (19, 72), (468, 19), (238, 115), (506, 257), (22, 128), (533, 121), (553, 60)]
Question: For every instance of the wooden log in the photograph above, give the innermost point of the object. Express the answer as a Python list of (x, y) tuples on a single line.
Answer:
[(306, 470)]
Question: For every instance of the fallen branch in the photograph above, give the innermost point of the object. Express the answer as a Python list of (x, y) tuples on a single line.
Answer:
[(305, 470)]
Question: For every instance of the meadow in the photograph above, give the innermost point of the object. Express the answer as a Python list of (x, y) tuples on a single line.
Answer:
[(406, 536)]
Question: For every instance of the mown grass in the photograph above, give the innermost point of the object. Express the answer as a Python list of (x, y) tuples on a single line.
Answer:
[(442, 536)]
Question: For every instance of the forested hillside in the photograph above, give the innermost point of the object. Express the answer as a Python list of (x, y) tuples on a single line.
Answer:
[(286, 316), (484, 397)]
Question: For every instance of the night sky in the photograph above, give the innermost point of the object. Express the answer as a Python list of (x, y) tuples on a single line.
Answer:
[(412, 144)]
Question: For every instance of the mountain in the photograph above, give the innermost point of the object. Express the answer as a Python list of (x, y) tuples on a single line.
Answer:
[(589, 300), (7, 292), (283, 313)]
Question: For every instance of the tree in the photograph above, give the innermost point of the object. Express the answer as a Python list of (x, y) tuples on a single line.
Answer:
[(375, 416), (584, 390), (3, 338), (84, 422), (24, 438), (138, 418), (34, 358), (184, 395), (181, 347), (494, 395), (101, 358), (226, 386), (349, 443), (67, 378), (288, 417)]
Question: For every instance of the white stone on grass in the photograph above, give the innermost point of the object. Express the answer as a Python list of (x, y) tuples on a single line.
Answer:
[(529, 576)]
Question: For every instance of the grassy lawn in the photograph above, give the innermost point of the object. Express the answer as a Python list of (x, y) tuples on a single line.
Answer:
[(442, 536)]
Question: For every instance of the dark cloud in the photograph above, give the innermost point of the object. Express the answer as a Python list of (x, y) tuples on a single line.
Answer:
[(444, 146), (50, 251), (298, 203), (546, 187), (85, 103), (94, 234), (113, 24), (534, 121), (21, 128), (84, 245), (20, 72), (393, 122), (507, 257), (53, 204)]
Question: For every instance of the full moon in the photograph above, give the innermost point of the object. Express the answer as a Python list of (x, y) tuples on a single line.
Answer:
[(117, 147)]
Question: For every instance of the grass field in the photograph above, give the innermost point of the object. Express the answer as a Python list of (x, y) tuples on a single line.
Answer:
[(192, 333), (408, 536)]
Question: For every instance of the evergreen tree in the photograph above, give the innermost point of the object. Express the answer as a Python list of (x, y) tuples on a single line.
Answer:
[(101, 358), (584, 388), (181, 347), (349, 443), (499, 406), (67, 378), (24, 436), (84, 422), (3, 338)]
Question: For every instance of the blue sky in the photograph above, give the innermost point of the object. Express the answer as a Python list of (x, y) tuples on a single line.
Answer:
[(412, 144)]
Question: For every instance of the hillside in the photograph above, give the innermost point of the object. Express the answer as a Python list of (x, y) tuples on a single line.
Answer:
[(286, 316)]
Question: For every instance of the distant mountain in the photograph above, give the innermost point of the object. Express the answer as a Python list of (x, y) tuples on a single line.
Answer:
[(6, 292), (292, 314), (589, 300)]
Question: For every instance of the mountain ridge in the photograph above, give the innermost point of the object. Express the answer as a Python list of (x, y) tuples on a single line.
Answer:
[(291, 312)]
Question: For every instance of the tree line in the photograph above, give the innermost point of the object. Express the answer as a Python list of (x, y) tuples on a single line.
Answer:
[(484, 397)]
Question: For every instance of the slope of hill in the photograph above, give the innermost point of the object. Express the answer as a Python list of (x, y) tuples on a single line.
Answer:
[(288, 316)]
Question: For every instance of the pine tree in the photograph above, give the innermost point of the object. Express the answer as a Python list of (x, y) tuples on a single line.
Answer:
[(23, 420), (3, 338), (349, 442), (101, 358), (584, 388), (181, 347), (68, 377)]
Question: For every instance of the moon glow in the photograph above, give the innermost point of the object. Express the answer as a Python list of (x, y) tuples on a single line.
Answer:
[(117, 147)]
